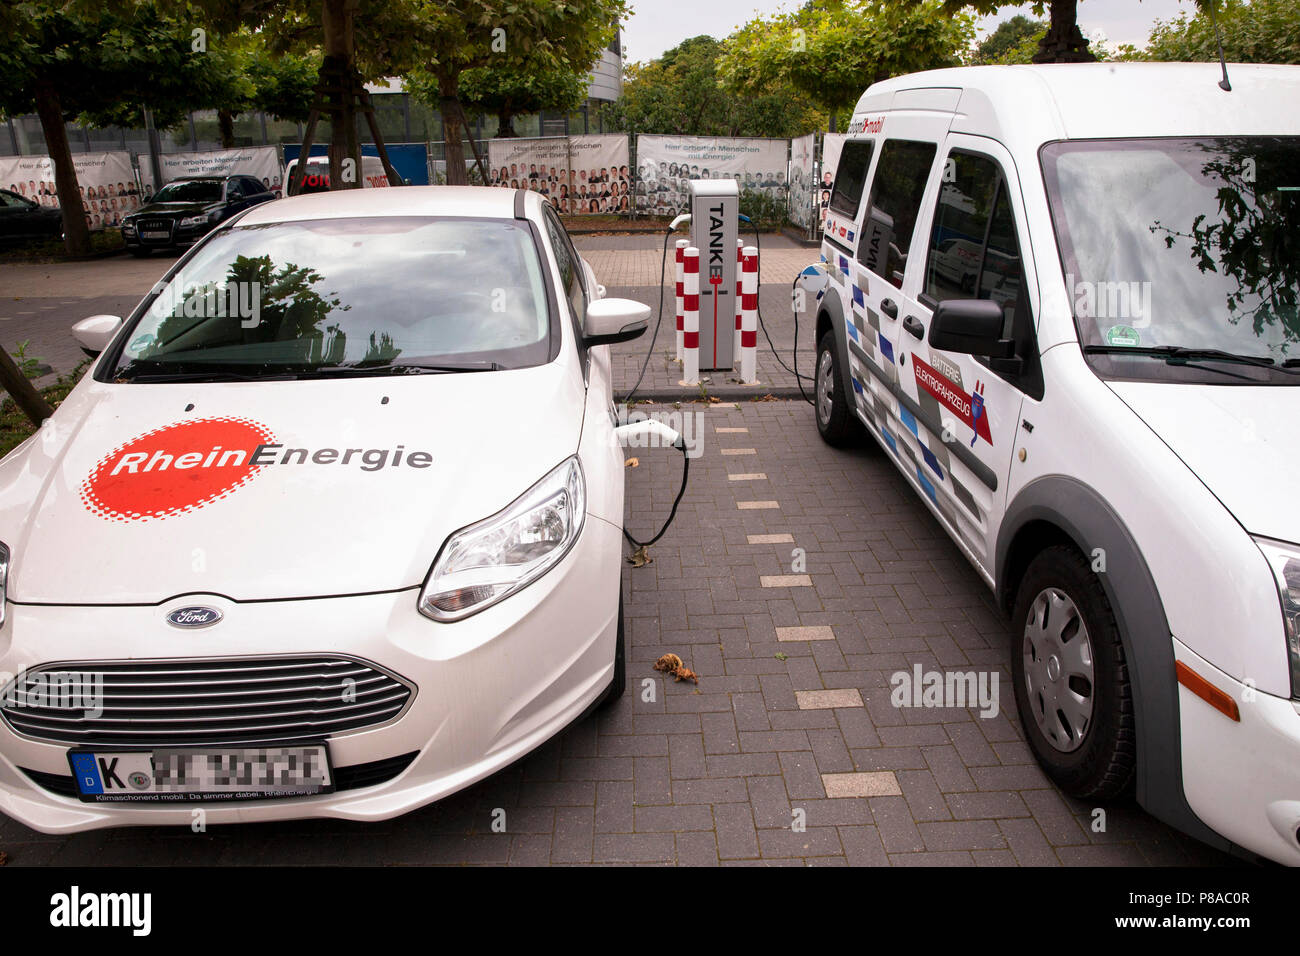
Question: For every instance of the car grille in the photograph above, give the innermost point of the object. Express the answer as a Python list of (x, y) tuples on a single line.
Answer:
[(207, 701)]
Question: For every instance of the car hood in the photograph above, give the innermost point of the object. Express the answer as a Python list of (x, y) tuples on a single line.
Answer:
[(89, 521), (1238, 440), (172, 209)]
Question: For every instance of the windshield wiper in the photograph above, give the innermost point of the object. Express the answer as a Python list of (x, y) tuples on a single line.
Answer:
[(163, 372), (1181, 355), (402, 368)]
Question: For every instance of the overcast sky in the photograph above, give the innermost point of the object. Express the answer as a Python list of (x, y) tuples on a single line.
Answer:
[(658, 25)]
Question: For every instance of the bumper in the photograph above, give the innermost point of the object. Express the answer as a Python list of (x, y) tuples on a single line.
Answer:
[(1242, 778), (489, 689)]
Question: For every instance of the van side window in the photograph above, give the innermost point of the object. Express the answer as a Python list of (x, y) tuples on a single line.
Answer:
[(974, 253), (850, 177), (893, 206)]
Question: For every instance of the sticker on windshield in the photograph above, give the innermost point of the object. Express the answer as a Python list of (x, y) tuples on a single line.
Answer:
[(1123, 335)]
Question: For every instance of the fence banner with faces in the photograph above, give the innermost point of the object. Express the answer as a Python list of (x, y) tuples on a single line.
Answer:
[(578, 175), (803, 195), (107, 182), (665, 164), (832, 146), (263, 162)]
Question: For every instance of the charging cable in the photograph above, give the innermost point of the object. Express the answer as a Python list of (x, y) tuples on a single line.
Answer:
[(794, 351)]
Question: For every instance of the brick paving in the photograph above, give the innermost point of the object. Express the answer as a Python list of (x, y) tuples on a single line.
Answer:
[(789, 751)]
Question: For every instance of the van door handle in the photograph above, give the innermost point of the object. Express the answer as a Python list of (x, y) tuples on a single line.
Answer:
[(888, 307), (913, 325)]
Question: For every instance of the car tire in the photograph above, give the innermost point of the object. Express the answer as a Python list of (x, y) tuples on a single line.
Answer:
[(836, 422), (1071, 677), (616, 687)]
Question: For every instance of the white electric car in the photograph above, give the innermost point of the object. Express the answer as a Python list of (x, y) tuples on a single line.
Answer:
[(331, 529), (1097, 403)]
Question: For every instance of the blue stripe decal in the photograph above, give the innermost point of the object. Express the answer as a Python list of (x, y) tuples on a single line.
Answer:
[(889, 440), (857, 297), (844, 264), (857, 385), (886, 347), (931, 461), (853, 329), (925, 485), (908, 420)]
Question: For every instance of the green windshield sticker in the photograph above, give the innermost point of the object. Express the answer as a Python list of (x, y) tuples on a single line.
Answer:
[(1122, 335)]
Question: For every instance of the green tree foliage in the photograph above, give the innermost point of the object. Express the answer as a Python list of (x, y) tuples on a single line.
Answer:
[(461, 35), (1259, 31), (1014, 41), (682, 93), (66, 59), (831, 50), (528, 88)]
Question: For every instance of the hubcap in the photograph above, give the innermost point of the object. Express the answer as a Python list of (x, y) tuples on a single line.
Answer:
[(825, 387), (1059, 676)]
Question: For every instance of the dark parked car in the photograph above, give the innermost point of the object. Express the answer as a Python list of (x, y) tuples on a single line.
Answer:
[(22, 219), (185, 209)]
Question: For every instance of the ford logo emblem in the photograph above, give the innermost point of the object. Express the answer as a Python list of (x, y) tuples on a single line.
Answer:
[(194, 617)]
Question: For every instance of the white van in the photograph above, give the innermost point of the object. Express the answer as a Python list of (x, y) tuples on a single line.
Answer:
[(1063, 299), (317, 179)]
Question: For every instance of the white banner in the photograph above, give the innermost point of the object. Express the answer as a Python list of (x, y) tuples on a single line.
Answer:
[(106, 180), (801, 202), (582, 174), (832, 146), (665, 164), (262, 162)]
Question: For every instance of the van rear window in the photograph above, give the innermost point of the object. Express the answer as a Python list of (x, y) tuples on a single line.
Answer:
[(850, 177)]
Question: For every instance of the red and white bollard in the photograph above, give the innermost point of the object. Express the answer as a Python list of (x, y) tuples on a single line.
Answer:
[(749, 317), (681, 248), (740, 268), (690, 316)]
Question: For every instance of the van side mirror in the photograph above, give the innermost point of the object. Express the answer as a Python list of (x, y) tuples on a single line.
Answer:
[(972, 327), (94, 334), (610, 321)]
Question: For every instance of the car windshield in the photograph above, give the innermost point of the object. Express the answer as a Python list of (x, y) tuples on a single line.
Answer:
[(195, 190), (1180, 244), (347, 296)]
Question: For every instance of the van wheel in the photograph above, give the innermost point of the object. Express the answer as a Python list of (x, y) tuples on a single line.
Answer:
[(616, 687), (1071, 677), (835, 421)]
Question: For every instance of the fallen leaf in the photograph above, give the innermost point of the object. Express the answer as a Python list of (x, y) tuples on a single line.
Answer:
[(641, 557), (632, 463), (672, 664), (781, 657)]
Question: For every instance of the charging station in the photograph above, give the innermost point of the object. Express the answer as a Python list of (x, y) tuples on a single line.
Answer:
[(715, 206)]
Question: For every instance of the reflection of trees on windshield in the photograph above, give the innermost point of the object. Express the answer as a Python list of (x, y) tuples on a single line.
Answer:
[(1256, 238), (255, 303), (381, 351)]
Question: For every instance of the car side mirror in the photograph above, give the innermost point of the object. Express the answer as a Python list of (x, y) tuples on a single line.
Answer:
[(610, 321), (972, 327), (94, 334)]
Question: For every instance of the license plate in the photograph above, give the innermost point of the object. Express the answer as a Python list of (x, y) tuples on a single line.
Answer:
[(154, 234), (218, 773)]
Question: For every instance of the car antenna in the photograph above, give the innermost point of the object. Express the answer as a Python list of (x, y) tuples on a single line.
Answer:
[(1223, 83)]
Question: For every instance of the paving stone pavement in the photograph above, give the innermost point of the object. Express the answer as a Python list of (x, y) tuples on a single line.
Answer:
[(789, 750)]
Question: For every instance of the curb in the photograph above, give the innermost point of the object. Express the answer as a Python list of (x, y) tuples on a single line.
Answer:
[(730, 393)]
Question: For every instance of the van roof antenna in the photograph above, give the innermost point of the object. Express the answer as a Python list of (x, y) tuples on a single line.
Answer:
[(1223, 83)]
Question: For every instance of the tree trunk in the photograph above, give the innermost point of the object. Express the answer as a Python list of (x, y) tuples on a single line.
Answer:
[(20, 387), (505, 123), (449, 107), (226, 127), (76, 234), (338, 20), (1063, 42)]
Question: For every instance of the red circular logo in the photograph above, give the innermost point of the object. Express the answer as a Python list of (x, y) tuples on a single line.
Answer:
[(174, 469)]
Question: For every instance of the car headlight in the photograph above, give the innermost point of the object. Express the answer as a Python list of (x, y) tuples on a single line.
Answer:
[(128, 227), (498, 556), (1284, 559), (4, 579)]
